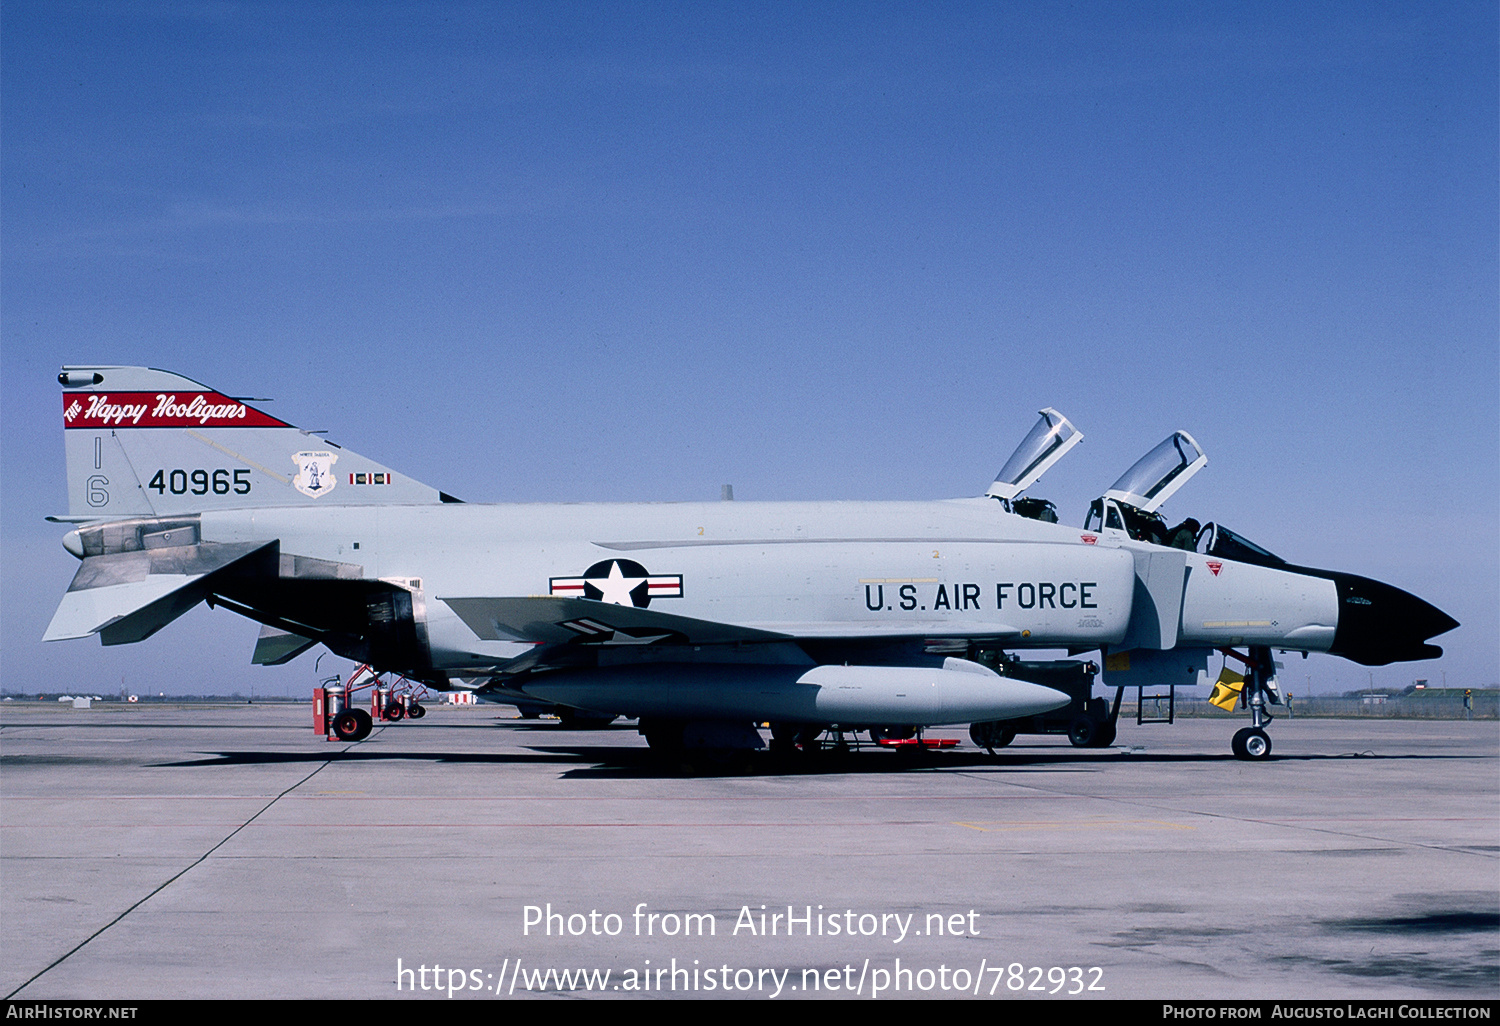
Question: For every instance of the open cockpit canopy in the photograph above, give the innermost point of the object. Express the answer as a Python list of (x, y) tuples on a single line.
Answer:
[(1156, 476), (1046, 443)]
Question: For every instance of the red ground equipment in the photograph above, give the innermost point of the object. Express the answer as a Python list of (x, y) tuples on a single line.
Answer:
[(336, 716)]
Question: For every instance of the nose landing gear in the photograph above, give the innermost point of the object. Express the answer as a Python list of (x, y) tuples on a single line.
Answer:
[(1252, 743)]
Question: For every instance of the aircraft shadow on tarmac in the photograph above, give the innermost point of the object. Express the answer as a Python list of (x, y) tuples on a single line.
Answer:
[(599, 761)]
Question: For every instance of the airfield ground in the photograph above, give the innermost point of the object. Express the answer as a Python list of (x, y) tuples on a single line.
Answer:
[(228, 851)]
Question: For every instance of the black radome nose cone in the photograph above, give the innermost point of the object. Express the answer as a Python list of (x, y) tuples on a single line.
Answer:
[(1380, 624)]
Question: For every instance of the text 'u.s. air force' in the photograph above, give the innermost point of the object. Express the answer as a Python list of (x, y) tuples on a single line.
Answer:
[(933, 596)]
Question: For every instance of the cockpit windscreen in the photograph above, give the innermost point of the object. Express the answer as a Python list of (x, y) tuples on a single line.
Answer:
[(1217, 540)]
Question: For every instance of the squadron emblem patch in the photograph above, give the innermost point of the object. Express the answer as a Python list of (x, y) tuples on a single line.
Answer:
[(621, 582), (315, 473)]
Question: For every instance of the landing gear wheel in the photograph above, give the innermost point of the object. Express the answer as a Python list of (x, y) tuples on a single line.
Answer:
[(577, 719), (1106, 735), (1082, 731), (783, 738), (394, 712), (662, 736), (417, 711), (991, 735), (810, 740), (1251, 743), (664, 740)]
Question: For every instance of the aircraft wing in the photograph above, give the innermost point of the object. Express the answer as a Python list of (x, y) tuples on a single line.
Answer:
[(548, 620), (904, 629)]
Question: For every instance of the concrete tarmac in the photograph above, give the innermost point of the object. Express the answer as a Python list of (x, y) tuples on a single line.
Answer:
[(229, 852)]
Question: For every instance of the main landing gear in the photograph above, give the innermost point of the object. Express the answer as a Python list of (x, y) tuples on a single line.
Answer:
[(1089, 722), (1252, 743)]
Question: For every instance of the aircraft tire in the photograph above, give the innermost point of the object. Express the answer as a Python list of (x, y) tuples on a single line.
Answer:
[(663, 737), (416, 711), (1082, 731), (1252, 744), (783, 738), (1106, 735), (990, 735), (575, 719)]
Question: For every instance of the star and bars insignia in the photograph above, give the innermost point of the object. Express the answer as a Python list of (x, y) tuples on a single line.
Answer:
[(621, 582)]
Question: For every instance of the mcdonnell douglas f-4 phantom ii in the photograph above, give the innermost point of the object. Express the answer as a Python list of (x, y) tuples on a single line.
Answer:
[(701, 619)]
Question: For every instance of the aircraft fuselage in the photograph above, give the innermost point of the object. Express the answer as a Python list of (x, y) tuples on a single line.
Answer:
[(852, 569)]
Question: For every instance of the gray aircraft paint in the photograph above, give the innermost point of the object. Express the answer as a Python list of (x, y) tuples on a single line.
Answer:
[(738, 571), (688, 609), (176, 428)]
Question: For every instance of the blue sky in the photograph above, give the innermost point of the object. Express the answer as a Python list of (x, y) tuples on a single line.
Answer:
[(622, 251)]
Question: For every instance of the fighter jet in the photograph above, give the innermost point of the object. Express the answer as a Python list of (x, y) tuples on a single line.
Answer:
[(700, 619)]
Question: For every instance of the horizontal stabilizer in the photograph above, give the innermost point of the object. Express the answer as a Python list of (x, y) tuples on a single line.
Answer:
[(276, 646), (129, 596)]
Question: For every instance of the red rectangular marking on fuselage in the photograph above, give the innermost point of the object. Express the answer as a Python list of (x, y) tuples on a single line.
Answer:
[(664, 587)]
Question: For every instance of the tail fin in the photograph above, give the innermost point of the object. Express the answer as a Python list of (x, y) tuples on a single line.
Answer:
[(144, 442)]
